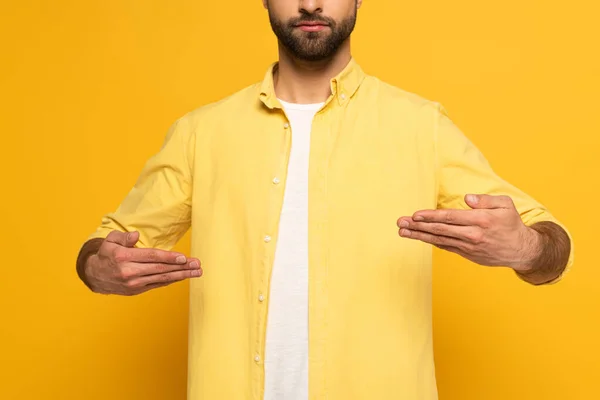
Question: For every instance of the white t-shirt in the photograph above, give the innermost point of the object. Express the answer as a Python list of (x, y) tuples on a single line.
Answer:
[(286, 347)]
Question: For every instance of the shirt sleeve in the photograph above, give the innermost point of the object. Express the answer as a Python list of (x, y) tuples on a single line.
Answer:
[(158, 206), (463, 169)]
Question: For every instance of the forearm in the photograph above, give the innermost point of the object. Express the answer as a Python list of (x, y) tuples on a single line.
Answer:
[(88, 249), (550, 254)]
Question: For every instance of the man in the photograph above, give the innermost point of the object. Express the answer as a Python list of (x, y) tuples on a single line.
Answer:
[(314, 198)]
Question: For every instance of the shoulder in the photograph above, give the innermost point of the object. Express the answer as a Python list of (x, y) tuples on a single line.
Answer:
[(399, 100), (224, 108)]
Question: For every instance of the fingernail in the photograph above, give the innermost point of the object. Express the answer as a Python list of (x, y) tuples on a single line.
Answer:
[(405, 232), (196, 272), (194, 264), (181, 260), (404, 224), (472, 198), (418, 218)]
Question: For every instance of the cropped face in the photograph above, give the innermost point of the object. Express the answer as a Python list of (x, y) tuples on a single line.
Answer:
[(312, 30)]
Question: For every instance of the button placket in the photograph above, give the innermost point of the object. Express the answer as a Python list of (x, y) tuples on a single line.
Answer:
[(261, 304)]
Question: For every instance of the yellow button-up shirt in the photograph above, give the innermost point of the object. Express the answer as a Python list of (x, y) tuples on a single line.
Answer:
[(376, 153)]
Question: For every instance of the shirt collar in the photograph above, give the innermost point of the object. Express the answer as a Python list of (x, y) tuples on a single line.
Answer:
[(343, 85)]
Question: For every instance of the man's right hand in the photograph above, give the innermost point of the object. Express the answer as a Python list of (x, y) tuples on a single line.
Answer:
[(120, 268)]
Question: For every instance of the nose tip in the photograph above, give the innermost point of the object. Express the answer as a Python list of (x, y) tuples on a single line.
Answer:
[(310, 6)]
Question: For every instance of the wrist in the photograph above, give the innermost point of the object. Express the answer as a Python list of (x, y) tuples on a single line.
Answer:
[(84, 270), (89, 266), (531, 250), (87, 259)]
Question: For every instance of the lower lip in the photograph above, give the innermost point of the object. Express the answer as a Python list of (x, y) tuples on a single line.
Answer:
[(312, 28)]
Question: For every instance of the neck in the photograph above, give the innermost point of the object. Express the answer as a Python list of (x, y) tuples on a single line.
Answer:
[(307, 82)]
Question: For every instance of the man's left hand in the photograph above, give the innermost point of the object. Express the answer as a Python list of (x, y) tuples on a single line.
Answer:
[(491, 233)]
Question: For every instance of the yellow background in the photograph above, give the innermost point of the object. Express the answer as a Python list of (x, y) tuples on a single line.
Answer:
[(88, 90)]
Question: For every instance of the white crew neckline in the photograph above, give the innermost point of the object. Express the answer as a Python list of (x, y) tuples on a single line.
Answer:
[(299, 106)]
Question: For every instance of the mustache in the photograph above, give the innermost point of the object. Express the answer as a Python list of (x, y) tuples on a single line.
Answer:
[(314, 18)]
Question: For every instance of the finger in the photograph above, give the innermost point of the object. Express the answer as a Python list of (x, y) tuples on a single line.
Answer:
[(155, 256), (486, 201), (466, 233), (133, 270), (166, 278), (126, 239), (431, 239), (447, 216)]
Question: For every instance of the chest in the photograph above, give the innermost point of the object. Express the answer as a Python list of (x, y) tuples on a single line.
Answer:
[(363, 164)]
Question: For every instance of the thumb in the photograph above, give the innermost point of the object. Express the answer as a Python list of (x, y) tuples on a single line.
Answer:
[(132, 238), (126, 239), (473, 201), (486, 201)]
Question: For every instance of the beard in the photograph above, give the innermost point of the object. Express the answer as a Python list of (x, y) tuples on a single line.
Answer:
[(312, 46)]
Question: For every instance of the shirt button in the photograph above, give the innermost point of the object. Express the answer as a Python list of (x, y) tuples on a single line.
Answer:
[(276, 180), (261, 298), (343, 96), (286, 125), (267, 239), (257, 358)]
